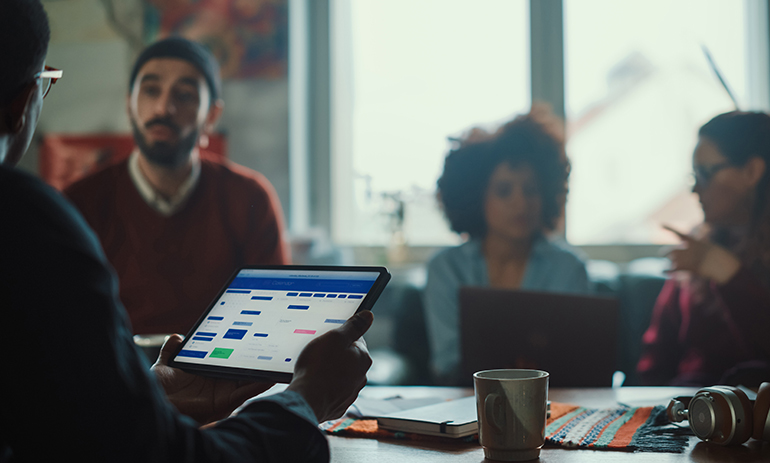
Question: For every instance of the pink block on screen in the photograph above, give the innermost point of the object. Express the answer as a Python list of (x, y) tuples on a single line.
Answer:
[(304, 331)]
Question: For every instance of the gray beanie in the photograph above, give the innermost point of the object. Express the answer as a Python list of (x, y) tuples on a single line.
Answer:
[(187, 50)]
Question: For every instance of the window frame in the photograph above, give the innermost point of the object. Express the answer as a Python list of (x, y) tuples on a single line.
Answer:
[(311, 101)]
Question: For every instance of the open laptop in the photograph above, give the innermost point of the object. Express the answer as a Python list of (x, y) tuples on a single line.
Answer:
[(573, 337)]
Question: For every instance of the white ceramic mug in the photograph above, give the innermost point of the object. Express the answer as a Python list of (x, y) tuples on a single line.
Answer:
[(511, 406)]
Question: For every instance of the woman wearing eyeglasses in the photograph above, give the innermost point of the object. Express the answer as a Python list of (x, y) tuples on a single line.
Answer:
[(711, 322)]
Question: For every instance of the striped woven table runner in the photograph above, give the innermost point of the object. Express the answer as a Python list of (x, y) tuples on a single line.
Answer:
[(625, 428), (644, 429)]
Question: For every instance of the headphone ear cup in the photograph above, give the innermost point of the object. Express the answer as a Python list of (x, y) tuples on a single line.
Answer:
[(762, 413), (744, 427), (721, 415)]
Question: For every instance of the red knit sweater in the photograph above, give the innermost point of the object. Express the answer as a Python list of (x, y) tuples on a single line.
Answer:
[(170, 268)]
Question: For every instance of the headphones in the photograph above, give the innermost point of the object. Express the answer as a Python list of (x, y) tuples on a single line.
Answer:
[(724, 415)]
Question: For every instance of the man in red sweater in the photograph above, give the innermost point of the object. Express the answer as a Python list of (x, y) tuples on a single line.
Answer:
[(81, 389), (173, 222)]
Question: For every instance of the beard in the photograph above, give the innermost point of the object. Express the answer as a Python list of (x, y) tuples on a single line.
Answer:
[(163, 154)]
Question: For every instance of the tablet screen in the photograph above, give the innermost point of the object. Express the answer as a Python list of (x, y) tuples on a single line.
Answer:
[(265, 317)]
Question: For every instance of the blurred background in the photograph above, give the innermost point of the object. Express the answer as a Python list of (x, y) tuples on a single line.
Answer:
[(347, 106)]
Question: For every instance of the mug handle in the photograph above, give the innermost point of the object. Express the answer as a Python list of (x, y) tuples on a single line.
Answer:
[(490, 405)]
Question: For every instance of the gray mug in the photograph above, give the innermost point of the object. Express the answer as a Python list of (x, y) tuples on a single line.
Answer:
[(511, 406)]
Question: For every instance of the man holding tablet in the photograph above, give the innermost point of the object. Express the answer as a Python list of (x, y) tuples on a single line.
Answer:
[(265, 315), (74, 385)]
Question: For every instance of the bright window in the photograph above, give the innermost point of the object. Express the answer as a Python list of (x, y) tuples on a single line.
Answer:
[(638, 86), (406, 75)]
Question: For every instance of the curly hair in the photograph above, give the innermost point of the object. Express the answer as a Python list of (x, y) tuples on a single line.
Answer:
[(534, 140), (740, 136)]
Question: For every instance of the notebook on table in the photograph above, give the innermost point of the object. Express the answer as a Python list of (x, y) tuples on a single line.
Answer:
[(454, 418), (572, 337)]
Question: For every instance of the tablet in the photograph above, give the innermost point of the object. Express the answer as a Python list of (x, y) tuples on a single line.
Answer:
[(265, 315)]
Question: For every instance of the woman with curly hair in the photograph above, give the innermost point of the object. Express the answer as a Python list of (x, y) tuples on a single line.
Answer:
[(505, 191), (711, 322)]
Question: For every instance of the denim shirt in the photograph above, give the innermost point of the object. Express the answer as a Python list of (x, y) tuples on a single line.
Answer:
[(551, 267)]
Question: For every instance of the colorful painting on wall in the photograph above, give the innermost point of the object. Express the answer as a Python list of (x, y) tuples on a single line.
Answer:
[(250, 38)]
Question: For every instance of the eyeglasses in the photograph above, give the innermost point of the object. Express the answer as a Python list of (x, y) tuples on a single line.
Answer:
[(48, 78), (702, 175)]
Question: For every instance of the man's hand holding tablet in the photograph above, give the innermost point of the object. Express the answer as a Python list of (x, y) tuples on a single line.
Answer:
[(265, 316), (329, 373), (331, 370), (202, 398), (302, 325)]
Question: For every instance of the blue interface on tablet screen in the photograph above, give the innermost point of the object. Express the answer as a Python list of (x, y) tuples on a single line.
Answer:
[(265, 317)]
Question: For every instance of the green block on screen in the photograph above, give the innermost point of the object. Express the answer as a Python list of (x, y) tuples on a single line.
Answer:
[(220, 353)]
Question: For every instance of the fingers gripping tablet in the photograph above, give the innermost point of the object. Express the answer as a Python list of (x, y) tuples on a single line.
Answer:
[(265, 315)]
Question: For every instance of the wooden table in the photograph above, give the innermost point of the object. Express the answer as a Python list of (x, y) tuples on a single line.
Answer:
[(355, 449)]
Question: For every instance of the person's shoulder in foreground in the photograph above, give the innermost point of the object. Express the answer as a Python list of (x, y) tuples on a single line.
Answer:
[(80, 369), (80, 388), (28, 205)]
